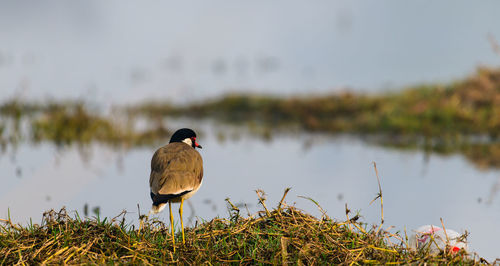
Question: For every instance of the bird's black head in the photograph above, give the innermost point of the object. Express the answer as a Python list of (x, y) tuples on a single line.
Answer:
[(185, 135)]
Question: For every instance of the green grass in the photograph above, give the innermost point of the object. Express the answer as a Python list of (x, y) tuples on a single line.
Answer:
[(271, 236), (78, 124)]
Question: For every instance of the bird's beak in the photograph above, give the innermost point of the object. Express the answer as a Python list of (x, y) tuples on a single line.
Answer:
[(197, 145)]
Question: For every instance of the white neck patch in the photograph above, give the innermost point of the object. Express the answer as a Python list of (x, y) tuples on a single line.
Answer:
[(188, 141)]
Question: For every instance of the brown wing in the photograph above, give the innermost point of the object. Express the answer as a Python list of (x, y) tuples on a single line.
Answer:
[(175, 168)]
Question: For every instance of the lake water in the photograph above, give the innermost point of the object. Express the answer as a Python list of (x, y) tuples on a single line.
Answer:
[(334, 171), (102, 50)]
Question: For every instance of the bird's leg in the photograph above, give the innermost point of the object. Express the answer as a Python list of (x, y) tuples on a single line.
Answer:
[(182, 223), (171, 223)]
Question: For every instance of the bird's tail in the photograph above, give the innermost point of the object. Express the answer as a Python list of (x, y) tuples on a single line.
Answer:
[(157, 208)]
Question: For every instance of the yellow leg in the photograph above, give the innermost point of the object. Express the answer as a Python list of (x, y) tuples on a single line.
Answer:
[(182, 223), (172, 223)]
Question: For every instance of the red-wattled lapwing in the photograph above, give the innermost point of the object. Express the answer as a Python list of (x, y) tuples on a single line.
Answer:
[(176, 173)]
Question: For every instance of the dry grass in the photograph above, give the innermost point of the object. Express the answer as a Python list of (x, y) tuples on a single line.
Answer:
[(283, 235)]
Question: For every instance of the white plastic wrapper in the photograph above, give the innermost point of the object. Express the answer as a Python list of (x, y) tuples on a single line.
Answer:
[(435, 239)]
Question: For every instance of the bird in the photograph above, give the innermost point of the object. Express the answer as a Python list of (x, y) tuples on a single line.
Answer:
[(176, 174)]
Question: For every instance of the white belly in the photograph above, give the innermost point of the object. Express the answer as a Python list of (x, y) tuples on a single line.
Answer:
[(188, 195)]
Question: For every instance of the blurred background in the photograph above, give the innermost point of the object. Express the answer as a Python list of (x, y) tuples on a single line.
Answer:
[(106, 56)]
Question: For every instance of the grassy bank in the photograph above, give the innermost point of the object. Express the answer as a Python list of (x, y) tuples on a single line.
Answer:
[(467, 107), (272, 236), (461, 117)]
